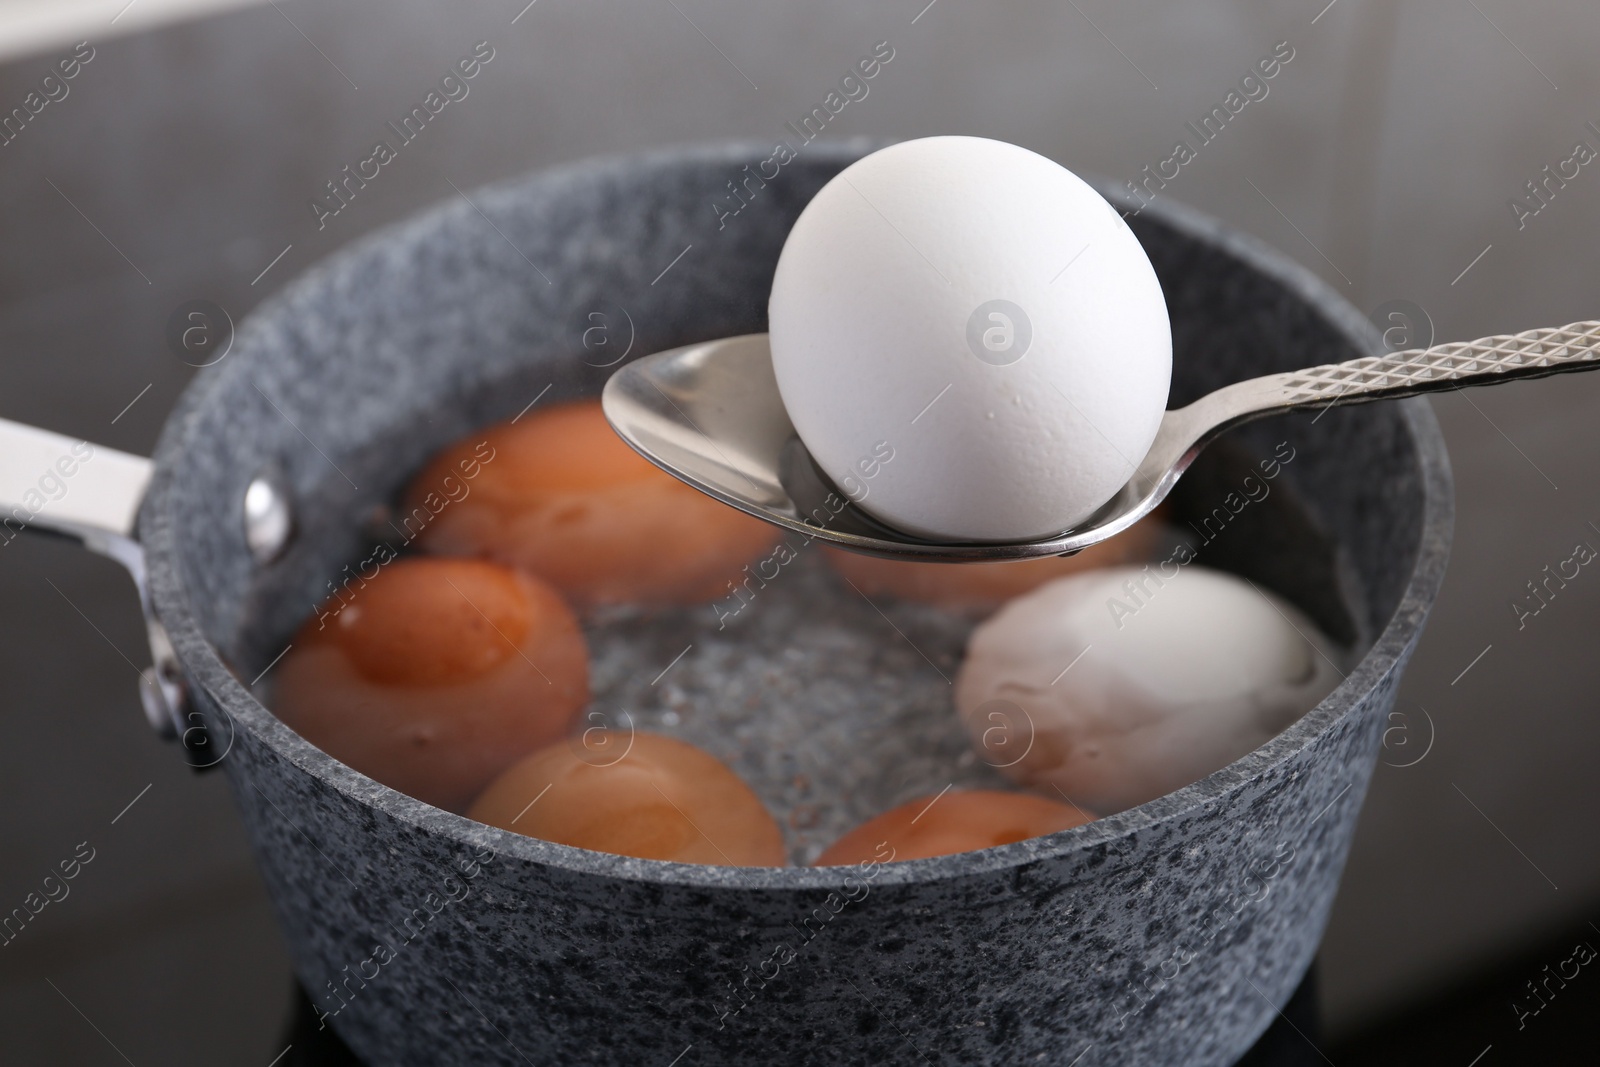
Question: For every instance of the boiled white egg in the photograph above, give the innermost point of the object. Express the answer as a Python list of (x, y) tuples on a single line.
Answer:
[(982, 313), (1114, 687)]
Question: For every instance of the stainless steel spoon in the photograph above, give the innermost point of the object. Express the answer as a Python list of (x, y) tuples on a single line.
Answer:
[(710, 414)]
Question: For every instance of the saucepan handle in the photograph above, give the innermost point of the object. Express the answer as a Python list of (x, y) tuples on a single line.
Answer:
[(54, 484)]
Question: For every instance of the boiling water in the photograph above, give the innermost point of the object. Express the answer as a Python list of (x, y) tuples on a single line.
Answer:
[(832, 707), (835, 707)]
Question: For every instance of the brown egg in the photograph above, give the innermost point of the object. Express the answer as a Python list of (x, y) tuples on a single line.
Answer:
[(559, 494), (435, 675), (984, 586), (956, 821), (635, 794)]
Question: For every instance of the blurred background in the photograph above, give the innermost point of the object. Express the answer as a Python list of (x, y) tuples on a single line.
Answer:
[(179, 164)]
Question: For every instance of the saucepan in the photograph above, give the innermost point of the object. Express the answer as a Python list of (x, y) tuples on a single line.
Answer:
[(1168, 933)]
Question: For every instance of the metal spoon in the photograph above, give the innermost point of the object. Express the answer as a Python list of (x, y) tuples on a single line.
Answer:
[(710, 414)]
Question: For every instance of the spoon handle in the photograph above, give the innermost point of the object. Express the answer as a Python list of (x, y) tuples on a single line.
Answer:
[(1488, 360)]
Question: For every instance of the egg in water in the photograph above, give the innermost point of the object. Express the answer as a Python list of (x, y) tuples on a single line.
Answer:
[(1119, 686), (435, 675), (984, 314), (563, 497), (954, 821), (635, 794)]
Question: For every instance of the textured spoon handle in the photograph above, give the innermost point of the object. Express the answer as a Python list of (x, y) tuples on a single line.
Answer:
[(1531, 354)]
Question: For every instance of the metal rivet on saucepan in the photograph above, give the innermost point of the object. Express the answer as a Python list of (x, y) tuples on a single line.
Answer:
[(268, 521)]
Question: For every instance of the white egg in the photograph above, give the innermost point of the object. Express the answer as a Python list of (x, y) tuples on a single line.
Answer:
[(983, 314), (1117, 686)]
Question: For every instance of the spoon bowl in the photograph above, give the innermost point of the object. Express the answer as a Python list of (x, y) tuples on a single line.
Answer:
[(710, 415)]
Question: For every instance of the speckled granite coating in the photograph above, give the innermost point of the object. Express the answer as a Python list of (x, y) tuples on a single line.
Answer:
[(1163, 935)]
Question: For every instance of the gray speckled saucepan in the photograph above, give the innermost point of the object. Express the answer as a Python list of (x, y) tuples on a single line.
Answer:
[(1166, 934)]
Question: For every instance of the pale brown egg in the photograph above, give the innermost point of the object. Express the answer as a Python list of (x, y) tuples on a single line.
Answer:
[(560, 495), (435, 675), (985, 586), (956, 821), (635, 794)]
